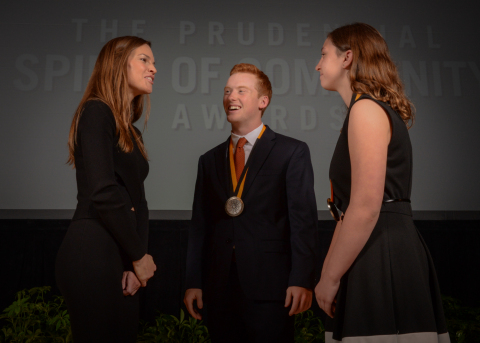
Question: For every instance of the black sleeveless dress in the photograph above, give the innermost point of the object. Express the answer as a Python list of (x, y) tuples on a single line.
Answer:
[(390, 293)]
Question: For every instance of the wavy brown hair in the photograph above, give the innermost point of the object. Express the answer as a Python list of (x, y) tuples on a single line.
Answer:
[(372, 71), (109, 84)]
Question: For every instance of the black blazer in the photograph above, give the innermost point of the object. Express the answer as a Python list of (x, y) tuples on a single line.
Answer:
[(274, 237), (110, 182)]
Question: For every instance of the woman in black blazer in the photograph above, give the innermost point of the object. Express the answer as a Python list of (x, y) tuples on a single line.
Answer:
[(103, 259)]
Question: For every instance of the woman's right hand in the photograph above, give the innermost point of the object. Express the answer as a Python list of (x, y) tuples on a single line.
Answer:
[(144, 269)]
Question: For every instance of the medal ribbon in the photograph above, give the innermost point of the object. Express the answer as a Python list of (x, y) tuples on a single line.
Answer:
[(238, 186)]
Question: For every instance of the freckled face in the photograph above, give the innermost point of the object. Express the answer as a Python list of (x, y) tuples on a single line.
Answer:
[(141, 71), (241, 100), (330, 66)]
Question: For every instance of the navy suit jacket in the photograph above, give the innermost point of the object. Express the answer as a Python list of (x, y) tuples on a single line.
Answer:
[(274, 237)]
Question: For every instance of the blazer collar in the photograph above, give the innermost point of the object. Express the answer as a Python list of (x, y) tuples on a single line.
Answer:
[(262, 150), (221, 165)]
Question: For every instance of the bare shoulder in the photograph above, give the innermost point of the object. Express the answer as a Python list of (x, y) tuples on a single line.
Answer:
[(368, 116)]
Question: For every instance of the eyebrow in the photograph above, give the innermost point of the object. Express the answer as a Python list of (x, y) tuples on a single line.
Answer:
[(237, 87), (146, 56)]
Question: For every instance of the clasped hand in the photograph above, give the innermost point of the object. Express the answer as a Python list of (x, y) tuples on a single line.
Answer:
[(144, 269), (130, 283)]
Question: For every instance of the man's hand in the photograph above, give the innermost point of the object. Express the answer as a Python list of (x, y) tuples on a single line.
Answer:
[(144, 269), (192, 294), (302, 299), (130, 283)]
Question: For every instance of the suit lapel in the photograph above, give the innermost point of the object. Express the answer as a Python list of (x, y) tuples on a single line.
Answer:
[(221, 159), (262, 150)]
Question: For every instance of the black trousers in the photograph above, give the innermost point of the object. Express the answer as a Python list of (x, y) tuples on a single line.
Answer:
[(231, 317)]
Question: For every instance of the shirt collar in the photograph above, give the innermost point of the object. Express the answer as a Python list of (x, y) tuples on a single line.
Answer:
[(251, 137)]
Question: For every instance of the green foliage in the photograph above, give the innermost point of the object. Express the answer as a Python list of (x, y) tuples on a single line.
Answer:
[(170, 329), (309, 328), (31, 319), (463, 323)]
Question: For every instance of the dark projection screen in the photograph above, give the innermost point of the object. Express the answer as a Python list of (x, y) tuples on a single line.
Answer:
[(49, 49)]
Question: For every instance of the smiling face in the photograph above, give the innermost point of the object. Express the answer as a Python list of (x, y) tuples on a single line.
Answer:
[(332, 67), (242, 102), (141, 71)]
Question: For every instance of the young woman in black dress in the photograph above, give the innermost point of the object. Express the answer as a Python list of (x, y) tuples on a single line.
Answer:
[(378, 282), (103, 259)]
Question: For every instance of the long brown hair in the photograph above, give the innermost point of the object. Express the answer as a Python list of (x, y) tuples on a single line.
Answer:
[(109, 84), (372, 71)]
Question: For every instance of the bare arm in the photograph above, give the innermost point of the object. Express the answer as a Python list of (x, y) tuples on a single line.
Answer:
[(368, 138), (319, 294), (332, 244)]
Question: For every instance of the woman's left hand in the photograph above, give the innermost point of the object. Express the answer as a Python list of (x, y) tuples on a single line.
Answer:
[(325, 293), (130, 283)]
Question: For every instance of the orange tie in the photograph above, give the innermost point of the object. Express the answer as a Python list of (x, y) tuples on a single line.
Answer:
[(240, 157)]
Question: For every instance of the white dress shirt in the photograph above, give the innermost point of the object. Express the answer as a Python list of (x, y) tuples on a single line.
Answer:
[(251, 138)]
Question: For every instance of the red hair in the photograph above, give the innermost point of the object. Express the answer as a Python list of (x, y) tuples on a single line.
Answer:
[(264, 87)]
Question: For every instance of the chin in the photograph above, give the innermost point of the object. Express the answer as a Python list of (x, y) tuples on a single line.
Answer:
[(326, 87), (232, 118)]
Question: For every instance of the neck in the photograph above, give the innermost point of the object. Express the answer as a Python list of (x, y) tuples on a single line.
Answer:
[(344, 88), (346, 94), (131, 96), (242, 129)]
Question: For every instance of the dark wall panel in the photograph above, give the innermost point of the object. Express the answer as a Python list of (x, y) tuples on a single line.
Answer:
[(28, 249)]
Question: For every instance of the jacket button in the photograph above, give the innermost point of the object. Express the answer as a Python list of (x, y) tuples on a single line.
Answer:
[(229, 241)]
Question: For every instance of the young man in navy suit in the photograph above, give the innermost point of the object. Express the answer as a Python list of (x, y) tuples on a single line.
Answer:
[(251, 244)]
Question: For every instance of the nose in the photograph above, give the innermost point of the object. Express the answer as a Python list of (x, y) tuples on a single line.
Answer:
[(153, 70), (231, 96), (317, 68)]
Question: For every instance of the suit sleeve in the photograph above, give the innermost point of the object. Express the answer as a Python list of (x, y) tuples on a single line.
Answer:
[(302, 212), (97, 139), (196, 235)]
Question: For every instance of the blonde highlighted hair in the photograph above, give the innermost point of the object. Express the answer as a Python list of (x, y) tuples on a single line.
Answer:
[(372, 71), (109, 83)]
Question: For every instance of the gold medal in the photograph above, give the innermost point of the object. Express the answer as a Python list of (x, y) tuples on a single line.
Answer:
[(234, 206)]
